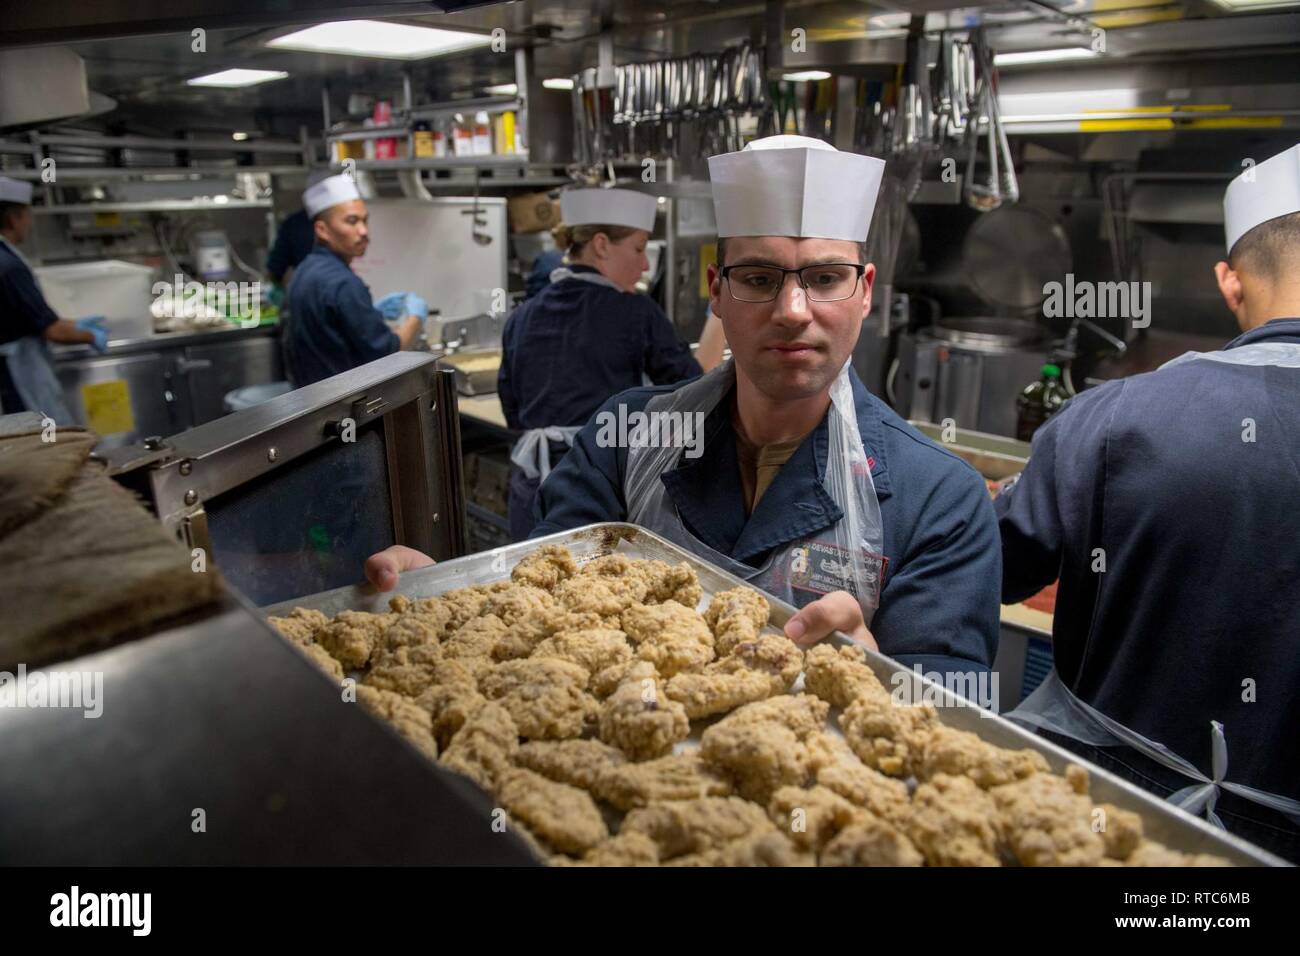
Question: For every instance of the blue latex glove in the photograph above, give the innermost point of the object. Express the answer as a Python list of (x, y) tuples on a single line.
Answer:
[(275, 296), (94, 324), (416, 306), (392, 305)]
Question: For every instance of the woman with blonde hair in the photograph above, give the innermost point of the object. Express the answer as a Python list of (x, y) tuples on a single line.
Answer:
[(586, 336)]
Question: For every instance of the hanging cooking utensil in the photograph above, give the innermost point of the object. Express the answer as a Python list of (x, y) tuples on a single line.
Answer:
[(914, 94), (982, 196), (1008, 184), (1001, 184), (478, 217)]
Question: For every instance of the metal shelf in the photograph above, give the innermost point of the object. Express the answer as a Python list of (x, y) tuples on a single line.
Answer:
[(370, 132), (441, 162), (158, 205), (535, 182), (68, 173), (489, 104), (147, 142)]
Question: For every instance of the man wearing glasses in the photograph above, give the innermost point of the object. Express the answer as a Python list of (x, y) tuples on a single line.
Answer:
[(800, 480)]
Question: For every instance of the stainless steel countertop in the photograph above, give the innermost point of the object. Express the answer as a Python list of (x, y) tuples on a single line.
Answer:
[(161, 340)]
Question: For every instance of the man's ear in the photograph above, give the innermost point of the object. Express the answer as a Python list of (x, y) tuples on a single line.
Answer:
[(319, 229), (868, 281), (715, 288), (1229, 287)]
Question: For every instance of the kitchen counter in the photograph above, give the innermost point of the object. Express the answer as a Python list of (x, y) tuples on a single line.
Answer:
[(165, 340), (164, 383), (483, 408)]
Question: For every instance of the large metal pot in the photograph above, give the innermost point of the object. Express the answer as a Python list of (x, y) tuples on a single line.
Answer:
[(969, 370)]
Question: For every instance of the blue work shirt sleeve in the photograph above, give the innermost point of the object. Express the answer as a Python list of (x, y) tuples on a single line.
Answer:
[(667, 358), (27, 312), (505, 385), (1051, 503), (940, 608), (365, 324)]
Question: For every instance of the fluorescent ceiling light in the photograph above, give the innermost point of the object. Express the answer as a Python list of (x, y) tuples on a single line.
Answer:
[(1044, 56), (379, 38), (558, 83), (504, 89), (239, 137), (806, 75), (231, 78)]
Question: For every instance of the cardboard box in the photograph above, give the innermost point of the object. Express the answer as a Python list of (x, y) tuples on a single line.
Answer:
[(533, 213)]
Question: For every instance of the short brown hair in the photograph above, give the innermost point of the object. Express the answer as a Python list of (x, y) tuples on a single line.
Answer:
[(1269, 249), (8, 209), (722, 252), (572, 239)]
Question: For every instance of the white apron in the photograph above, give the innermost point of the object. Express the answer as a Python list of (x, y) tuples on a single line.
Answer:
[(848, 556)]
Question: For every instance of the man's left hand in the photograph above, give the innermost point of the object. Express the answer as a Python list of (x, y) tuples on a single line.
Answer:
[(837, 611)]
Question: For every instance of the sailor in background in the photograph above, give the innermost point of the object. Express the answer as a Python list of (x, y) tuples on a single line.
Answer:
[(27, 323), (586, 336), (293, 243), (333, 325), (1167, 504)]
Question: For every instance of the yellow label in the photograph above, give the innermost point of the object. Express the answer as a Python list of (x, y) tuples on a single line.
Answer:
[(508, 132), (708, 256), (108, 407), (1237, 122), (106, 220), (1114, 126)]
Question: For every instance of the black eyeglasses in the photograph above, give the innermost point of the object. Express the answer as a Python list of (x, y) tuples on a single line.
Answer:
[(824, 282)]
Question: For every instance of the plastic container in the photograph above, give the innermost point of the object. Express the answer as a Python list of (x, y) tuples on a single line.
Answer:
[(119, 291), (423, 140), (211, 254), (482, 134), (253, 395), (462, 138)]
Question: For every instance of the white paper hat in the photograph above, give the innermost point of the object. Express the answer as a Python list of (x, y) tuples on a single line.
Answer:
[(15, 190), (1263, 192), (329, 192), (794, 186), (608, 207)]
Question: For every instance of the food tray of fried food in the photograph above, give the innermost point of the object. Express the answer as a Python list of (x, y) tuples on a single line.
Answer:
[(629, 704)]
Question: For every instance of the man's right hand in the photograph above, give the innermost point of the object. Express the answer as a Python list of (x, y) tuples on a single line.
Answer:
[(383, 568)]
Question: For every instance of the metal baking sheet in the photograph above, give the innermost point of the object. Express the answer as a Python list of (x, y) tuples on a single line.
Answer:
[(1162, 822), (473, 381), (993, 456)]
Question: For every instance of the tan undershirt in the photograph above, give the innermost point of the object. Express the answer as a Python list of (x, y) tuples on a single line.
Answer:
[(759, 464)]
